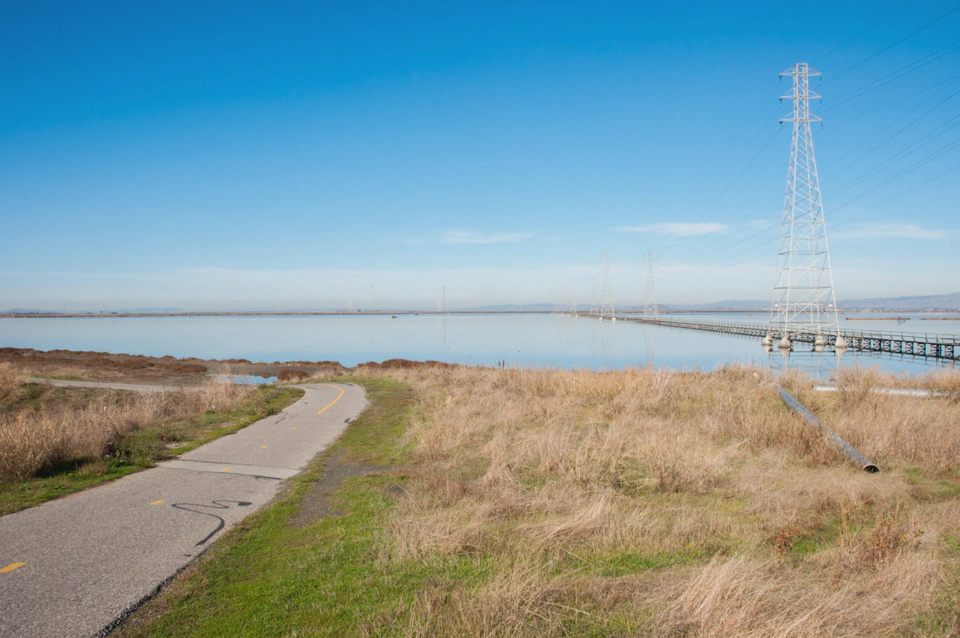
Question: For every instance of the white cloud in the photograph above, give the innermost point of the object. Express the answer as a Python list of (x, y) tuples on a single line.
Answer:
[(893, 231), (474, 237), (677, 229)]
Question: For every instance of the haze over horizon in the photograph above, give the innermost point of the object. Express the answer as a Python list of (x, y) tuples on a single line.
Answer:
[(259, 156)]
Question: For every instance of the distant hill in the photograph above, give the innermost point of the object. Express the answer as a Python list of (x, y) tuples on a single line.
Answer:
[(728, 304), (35, 311), (923, 302), (151, 311), (25, 311), (512, 307)]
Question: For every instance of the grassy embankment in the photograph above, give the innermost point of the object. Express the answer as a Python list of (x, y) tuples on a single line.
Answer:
[(550, 503), (56, 441)]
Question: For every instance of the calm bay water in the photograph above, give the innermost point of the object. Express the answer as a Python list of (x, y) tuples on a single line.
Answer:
[(555, 341)]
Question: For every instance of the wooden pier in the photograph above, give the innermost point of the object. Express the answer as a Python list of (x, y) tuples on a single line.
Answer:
[(924, 344)]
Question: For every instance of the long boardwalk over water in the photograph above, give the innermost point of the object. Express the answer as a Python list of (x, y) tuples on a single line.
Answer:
[(936, 346)]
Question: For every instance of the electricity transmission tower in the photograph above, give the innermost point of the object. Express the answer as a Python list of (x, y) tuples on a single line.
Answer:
[(593, 297), (442, 299), (650, 300), (606, 294), (573, 297), (803, 297)]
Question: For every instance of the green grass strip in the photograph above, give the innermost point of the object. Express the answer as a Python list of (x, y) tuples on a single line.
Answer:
[(142, 448), (274, 576)]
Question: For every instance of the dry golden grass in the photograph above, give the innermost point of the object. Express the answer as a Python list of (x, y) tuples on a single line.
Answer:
[(11, 381), (37, 437), (658, 503)]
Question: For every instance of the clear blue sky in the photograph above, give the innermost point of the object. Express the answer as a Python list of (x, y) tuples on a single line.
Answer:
[(251, 155)]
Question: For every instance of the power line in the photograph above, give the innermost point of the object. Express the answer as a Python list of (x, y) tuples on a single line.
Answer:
[(650, 298), (886, 79), (900, 41), (707, 213), (729, 183), (891, 124), (606, 295), (846, 42), (902, 153), (941, 152), (712, 209), (914, 121), (730, 148), (887, 105), (887, 182), (906, 192), (733, 181), (720, 199)]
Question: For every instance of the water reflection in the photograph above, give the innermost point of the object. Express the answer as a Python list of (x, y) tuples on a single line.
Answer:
[(558, 341), (606, 341), (650, 346), (442, 329), (816, 362)]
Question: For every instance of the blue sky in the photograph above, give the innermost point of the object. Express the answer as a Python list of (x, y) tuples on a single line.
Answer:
[(255, 155)]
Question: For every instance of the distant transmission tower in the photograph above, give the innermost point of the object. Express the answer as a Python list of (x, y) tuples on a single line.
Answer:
[(650, 300), (573, 297), (441, 298), (803, 297), (350, 302), (606, 295), (593, 297)]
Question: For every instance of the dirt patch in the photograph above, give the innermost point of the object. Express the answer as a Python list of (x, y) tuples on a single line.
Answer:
[(292, 374), (131, 368), (405, 364), (103, 365), (316, 504)]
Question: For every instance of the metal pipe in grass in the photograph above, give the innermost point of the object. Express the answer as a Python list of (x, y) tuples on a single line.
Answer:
[(851, 452), (897, 392)]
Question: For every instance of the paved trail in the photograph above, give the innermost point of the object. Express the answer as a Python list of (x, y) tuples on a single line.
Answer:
[(74, 566), (135, 387)]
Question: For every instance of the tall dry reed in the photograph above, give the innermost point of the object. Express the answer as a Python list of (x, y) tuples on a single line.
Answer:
[(34, 440), (714, 509), (11, 382)]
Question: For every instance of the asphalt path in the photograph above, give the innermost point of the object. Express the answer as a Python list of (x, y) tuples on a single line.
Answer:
[(136, 387), (77, 565)]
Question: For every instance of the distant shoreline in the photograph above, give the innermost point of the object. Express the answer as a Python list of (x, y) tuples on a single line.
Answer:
[(409, 313)]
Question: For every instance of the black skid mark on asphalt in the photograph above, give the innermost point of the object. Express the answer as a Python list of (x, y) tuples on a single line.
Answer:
[(217, 505)]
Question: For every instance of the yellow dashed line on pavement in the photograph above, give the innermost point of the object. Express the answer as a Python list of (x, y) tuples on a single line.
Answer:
[(226, 469), (11, 567), (263, 447), (330, 405), (158, 502)]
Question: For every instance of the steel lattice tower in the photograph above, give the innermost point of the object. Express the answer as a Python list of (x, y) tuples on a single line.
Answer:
[(803, 297), (650, 300), (606, 294), (442, 299)]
